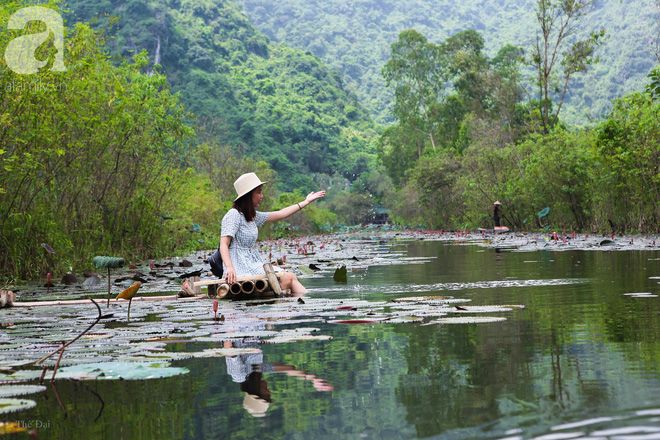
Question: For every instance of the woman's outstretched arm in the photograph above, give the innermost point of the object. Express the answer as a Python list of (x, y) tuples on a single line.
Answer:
[(289, 210)]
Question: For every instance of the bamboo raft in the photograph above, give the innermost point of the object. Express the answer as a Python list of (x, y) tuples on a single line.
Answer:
[(264, 285), (251, 286)]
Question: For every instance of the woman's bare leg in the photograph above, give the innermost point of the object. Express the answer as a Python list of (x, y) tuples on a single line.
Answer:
[(290, 281)]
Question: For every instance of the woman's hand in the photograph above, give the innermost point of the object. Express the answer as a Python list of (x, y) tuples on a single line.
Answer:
[(296, 207), (314, 195), (230, 277)]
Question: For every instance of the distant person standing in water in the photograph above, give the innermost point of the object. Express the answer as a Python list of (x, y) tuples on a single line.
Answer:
[(497, 213), (239, 232)]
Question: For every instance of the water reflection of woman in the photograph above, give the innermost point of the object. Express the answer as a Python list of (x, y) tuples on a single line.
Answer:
[(247, 370), (257, 395)]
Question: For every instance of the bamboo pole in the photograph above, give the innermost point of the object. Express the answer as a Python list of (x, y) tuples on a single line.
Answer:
[(247, 287), (260, 285), (238, 279), (276, 275), (272, 279), (112, 301), (221, 291), (235, 289)]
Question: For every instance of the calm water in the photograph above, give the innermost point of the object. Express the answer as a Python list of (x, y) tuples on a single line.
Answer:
[(581, 360)]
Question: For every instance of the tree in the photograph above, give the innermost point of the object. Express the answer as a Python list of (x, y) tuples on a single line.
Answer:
[(557, 19), (415, 70), (90, 156), (655, 43)]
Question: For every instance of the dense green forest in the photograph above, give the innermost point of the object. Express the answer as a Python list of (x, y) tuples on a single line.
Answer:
[(467, 134), (136, 145), (272, 102), (354, 37)]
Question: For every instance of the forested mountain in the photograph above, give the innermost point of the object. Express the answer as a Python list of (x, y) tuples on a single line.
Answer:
[(354, 37), (270, 101)]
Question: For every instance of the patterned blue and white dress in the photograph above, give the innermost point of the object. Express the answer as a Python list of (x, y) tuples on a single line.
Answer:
[(244, 256), (241, 366)]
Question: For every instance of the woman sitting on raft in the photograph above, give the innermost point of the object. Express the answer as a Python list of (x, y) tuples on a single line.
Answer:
[(240, 230)]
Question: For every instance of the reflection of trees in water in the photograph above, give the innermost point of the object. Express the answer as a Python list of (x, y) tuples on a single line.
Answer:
[(458, 375)]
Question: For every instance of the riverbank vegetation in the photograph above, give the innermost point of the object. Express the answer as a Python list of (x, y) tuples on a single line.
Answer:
[(471, 130)]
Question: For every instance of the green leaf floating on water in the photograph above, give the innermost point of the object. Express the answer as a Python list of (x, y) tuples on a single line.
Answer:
[(306, 270), (124, 370), (340, 275), (13, 405), (20, 390), (110, 262)]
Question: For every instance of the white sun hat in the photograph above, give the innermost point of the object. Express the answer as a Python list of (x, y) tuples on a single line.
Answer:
[(255, 405), (246, 183)]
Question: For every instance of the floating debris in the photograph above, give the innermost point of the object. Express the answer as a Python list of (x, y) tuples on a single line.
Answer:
[(11, 428)]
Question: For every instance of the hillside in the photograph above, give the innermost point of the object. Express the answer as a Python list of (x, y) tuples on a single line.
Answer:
[(270, 101), (354, 38)]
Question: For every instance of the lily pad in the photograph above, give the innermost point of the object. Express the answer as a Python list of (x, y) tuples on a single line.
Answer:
[(13, 405), (405, 320), (219, 352), (340, 275), (354, 321), (420, 298), (110, 262), (480, 309), (306, 270), (297, 338), (124, 370), (467, 320), (19, 390)]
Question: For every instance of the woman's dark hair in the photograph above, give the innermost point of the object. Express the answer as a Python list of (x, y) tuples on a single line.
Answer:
[(245, 206), (252, 385)]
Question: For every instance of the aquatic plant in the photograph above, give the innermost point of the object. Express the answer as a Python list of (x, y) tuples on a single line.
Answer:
[(129, 294), (110, 263)]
